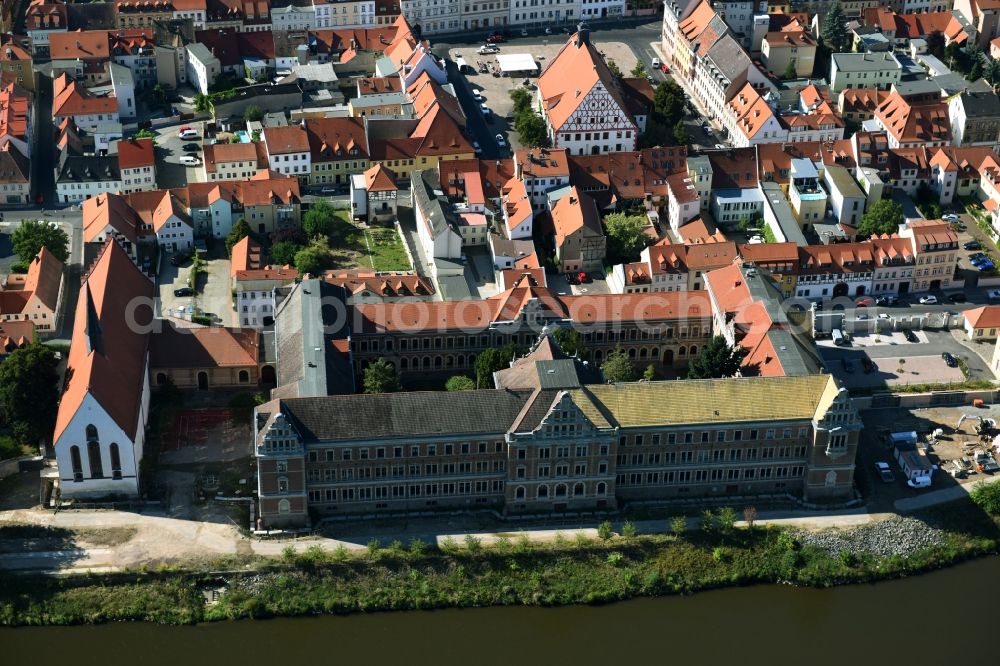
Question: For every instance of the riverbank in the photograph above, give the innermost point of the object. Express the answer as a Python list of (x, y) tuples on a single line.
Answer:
[(513, 571)]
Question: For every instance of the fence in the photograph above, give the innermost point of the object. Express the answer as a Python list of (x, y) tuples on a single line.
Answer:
[(922, 400)]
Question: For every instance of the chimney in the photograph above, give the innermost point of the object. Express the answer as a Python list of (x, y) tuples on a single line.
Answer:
[(582, 34)]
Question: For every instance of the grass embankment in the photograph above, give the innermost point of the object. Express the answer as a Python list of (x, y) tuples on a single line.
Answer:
[(512, 572)]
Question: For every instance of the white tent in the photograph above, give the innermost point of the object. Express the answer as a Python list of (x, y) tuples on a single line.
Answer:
[(511, 63)]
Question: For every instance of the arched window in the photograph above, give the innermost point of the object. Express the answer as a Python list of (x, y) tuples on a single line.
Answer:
[(284, 506), (682, 351), (602, 489), (244, 376), (92, 433), (561, 490), (94, 455), (543, 492), (161, 379), (694, 350), (74, 456), (402, 363), (578, 490), (519, 493), (116, 462)]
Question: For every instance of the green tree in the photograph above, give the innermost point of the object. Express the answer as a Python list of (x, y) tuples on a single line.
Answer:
[(381, 377), (32, 235), (459, 383), (790, 72), (159, 94), (605, 530), (521, 99), (986, 495), (835, 33), (571, 342), (252, 113), (976, 71), (935, 44), (144, 134), (639, 71), (29, 393), (238, 232), (992, 72), (491, 360), (680, 133), (668, 103), (532, 130), (319, 220), (618, 367), (726, 518), (716, 359), (626, 235), (882, 217), (679, 525), (314, 258), (283, 253), (202, 103), (615, 70), (650, 373)]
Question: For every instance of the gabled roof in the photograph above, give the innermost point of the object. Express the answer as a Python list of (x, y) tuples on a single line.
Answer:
[(109, 209), (107, 356), (570, 76), (133, 153), (70, 99), (333, 138), (574, 213), (379, 178), (44, 278), (91, 45), (246, 254), (224, 153), (987, 316), (204, 347), (922, 120), (284, 140), (750, 110)]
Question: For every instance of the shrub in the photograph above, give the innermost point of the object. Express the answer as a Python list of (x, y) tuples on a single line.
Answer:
[(615, 559), (679, 525), (787, 542), (605, 531), (473, 544), (373, 547), (708, 523), (719, 554), (846, 558), (417, 547), (987, 496), (726, 518), (340, 553), (628, 529)]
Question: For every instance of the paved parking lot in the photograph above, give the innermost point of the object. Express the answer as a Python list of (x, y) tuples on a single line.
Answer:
[(169, 149), (214, 293)]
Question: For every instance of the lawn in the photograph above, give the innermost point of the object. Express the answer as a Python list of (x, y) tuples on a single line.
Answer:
[(380, 248)]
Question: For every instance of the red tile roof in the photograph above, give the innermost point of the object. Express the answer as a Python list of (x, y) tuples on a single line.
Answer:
[(133, 153), (987, 316)]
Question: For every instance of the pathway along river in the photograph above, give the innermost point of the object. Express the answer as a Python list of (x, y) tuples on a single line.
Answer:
[(926, 619)]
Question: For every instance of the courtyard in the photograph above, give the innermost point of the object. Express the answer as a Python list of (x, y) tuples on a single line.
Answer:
[(356, 245)]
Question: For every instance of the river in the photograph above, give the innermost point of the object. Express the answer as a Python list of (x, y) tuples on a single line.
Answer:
[(925, 619)]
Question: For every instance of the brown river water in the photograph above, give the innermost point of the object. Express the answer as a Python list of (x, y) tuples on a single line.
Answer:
[(928, 619)]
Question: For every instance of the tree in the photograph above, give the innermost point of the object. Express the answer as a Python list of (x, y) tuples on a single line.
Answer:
[(615, 70), (252, 113), (618, 367), (459, 383), (283, 253), (491, 360), (680, 133), (29, 394), (521, 99), (319, 220), (725, 519), (976, 71), (750, 515), (639, 71), (678, 525), (202, 103), (571, 342), (987, 496), (835, 29), (29, 238), (144, 134), (992, 72), (668, 102), (532, 130), (381, 377), (239, 231), (715, 360), (626, 235), (313, 259), (790, 72), (159, 94), (935, 44), (650, 373), (882, 217)]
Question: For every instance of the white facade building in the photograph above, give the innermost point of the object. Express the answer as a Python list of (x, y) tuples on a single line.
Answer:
[(433, 16), (202, 67)]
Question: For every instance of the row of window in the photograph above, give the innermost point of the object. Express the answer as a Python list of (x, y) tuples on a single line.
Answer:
[(707, 475), (713, 456), (706, 436), (400, 492)]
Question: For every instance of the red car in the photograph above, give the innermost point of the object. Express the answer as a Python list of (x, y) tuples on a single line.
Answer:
[(495, 39), (582, 277)]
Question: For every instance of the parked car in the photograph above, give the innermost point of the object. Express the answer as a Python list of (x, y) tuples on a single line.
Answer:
[(919, 482), (886, 300), (972, 245), (868, 365), (478, 96), (911, 336), (179, 258), (500, 141), (993, 295), (957, 297), (949, 360), (884, 472), (524, 32), (655, 63), (191, 147), (863, 317), (949, 217), (184, 291), (928, 300), (190, 160), (496, 39), (487, 49), (583, 277), (986, 267), (864, 302), (187, 133)]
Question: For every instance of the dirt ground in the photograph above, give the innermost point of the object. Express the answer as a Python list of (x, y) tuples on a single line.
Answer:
[(210, 435)]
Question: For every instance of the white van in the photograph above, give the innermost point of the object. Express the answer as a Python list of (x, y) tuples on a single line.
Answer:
[(189, 160), (919, 482), (656, 63), (838, 337)]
